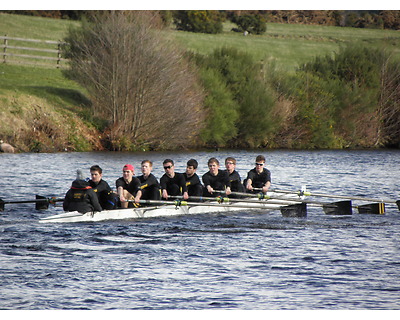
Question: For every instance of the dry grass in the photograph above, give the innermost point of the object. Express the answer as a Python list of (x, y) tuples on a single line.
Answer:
[(32, 124)]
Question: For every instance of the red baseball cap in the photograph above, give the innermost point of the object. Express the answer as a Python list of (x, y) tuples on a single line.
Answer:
[(128, 167)]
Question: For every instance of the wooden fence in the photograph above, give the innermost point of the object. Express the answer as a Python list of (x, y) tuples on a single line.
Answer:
[(46, 53)]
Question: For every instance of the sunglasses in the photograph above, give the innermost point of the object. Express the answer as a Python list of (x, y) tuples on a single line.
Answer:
[(259, 164), (167, 167)]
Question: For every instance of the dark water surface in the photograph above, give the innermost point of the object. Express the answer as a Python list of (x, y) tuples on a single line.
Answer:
[(244, 260)]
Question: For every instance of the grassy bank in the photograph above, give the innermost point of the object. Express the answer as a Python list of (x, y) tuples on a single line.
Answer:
[(40, 110)]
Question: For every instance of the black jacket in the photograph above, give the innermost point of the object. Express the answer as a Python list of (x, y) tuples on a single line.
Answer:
[(81, 198)]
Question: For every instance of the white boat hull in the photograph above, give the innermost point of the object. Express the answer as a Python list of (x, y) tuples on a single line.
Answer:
[(164, 211)]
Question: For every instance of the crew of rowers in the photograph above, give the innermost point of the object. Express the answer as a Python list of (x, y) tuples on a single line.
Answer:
[(97, 195)]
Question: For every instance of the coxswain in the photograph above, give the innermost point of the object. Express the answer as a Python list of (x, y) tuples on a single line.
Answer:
[(172, 183), (81, 196)]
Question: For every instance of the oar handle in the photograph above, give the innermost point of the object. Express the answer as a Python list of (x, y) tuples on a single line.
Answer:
[(50, 200), (175, 202), (179, 203), (227, 200)]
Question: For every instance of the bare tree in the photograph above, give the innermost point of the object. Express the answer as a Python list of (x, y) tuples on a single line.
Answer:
[(137, 78), (389, 101)]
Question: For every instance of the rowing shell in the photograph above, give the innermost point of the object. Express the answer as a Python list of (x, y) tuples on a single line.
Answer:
[(163, 211)]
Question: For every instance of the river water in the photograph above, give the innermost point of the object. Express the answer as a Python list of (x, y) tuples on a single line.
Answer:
[(238, 261)]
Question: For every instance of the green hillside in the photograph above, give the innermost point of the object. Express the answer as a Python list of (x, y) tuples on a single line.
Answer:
[(288, 44), (43, 111), (34, 27)]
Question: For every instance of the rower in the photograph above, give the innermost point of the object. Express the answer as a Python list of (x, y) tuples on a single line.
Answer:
[(234, 176), (149, 186), (215, 179), (172, 183), (193, 184), (106, 196), (127, 186), (259, 177)]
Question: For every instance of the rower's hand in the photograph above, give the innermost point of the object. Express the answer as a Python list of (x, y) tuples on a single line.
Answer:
[(265, 189), (210, 189), (185, 196), (165, 194), (228, 191), (137, 199), (249, 187)]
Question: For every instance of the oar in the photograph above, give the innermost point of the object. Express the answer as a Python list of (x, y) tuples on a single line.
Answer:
[(296, 210), (334, 208), (313, 194), (260, 195), (179, 203), (377, 208), (221, 199), (40, 202)]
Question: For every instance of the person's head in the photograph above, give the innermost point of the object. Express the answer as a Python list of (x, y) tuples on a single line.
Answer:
[(80, 180), (146, 166), (260, 161), (213, 166), (230, 164), (96, 173), (168, 165), (191, 167), (128, 171)]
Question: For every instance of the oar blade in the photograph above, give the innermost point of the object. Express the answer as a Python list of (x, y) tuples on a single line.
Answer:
[(372, 208), (41, 205), (338, 208), (294, 210), (2, 203)]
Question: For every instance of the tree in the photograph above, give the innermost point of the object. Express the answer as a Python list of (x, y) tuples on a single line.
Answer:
[(222, 110), (389, 101), (202, 21), (364, 84), (247, 96), (136, 79), (251, 23)]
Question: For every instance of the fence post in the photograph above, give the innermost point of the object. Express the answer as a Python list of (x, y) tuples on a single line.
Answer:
[(5, 49), (58, 54)]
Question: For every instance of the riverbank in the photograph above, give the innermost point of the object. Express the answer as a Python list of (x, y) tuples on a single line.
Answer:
[(42, 111)]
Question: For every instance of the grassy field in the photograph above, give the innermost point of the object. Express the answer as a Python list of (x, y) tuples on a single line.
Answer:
[(288, 45), (34, 27), (22, 87)]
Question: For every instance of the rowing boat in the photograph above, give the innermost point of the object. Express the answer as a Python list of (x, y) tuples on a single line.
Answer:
[(169, 208)]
